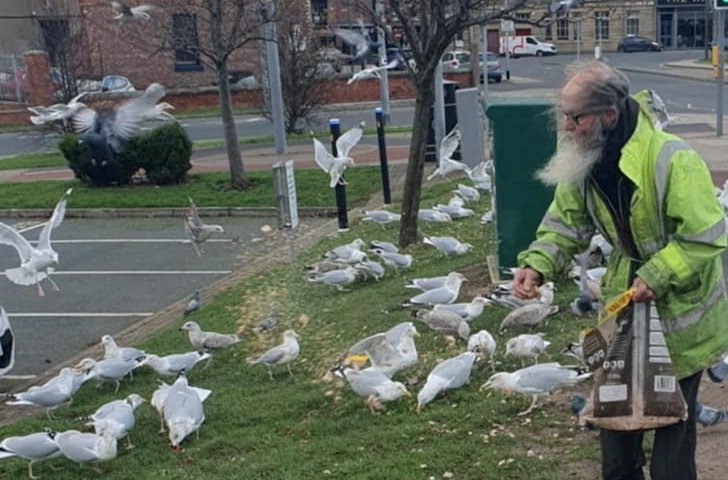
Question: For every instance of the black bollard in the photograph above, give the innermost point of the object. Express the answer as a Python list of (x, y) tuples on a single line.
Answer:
[(335, 129), (379, 115)]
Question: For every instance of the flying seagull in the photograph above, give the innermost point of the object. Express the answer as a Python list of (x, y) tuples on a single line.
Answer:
[(125, 13), (335, 166), (446, 164), (196, 230), (36, 263)]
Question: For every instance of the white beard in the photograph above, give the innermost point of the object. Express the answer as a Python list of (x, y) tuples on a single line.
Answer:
[(574, 157)]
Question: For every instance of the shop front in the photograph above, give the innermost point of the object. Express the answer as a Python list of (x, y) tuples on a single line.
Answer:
[(684, 23)]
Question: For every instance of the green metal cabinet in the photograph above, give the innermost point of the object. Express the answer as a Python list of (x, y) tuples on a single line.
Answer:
[(522, 137)]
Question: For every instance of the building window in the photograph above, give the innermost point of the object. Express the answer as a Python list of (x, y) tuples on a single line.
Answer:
[(548, 32), (523, 15), (56, 35), (576, 22), (562, 27), (601, 25), (319, 12), (186, 43), (633, 23)]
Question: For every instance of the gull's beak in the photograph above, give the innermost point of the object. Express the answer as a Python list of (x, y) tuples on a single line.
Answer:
[(407, 393), (486, 386)]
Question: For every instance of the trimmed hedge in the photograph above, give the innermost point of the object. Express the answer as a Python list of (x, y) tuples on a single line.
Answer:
[(164, 153)]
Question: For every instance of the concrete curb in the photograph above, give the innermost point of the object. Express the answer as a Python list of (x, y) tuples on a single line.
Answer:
[(164, 212)]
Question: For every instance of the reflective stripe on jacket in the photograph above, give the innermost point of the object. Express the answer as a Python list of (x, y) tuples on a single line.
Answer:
[(679, 229)]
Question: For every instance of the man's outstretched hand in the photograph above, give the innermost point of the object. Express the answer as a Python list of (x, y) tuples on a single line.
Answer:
[(643, 293), (525, 283)]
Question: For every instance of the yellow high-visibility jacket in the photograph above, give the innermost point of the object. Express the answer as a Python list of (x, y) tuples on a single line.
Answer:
[(678, 227)]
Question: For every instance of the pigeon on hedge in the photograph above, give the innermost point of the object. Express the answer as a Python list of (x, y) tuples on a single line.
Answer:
[(335, 166), (197, 231), (33, 447), (125, 13), (7, 344), (36, 263)]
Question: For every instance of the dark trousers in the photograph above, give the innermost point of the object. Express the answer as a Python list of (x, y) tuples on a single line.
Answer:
[(673, 451)]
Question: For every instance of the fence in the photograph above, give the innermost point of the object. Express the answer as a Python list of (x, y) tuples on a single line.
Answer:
[(14, 84)]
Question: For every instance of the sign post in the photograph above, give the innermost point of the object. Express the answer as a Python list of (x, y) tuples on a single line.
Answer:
[(284, 183)]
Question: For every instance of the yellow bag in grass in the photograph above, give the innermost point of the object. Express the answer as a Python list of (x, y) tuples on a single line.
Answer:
[(635, 387)]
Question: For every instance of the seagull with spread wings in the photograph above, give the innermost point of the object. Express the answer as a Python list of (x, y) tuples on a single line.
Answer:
[(446, 164), (36, 263), (125, 13), (196, 230), (335, 166)]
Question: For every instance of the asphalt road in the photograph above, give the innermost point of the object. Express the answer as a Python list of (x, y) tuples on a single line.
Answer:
[(112, 273)]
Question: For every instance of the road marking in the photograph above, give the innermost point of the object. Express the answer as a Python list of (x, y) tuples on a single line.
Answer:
[(18, 377), (81, 314), (134, 240), (141, 272)]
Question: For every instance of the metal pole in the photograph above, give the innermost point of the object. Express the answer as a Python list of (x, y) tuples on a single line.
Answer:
[(439, 114), (340, 189), (578, 39), (274, 77), (484, 66), (379, 116), (384, 74), (721, 73), (507, 43)]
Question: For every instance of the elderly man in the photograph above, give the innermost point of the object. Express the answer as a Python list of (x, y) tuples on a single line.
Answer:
[(651, 196)]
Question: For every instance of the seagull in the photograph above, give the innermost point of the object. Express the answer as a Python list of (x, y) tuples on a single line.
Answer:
[(448, 245), (374, 386), (202, 340), (445, 321), (33, 447), (446, 164), (172, 365), (182, 411), (480, 178), (196, 230), (535, 380), (117, 416), (7, 344), (398, 261), (447, 375), (388, 352), (159, 113), (336, 278), (88, 447), (359, 40), (384, 246), (335, 166), (124, 13), (487, 217), (108, 370), (448, 293), (659, 111), (52, 394), (526, 345), (432, 215), (468, 310), (372, 72), (282, 354), (372, 269), (113, 351), (59, 111), (36, 263), (482, 342), (159, 397), (511, 302), (454, 210), (348, 253), (469, 194), (380, 217), (531, 315), (426, 283), (194, 304), (587, 300)]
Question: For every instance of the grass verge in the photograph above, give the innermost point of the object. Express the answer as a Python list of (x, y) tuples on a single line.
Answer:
[(308, 427)]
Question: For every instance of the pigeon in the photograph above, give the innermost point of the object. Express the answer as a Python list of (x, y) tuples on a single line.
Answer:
[(380, 217), (719, 370), (708, 416), (360, 40), (467, 310), (36, 263), (106, 134), (117, 416), (447, 375), (398, 261), (480, 178), (282, 354), (577, 405), (526, 345), (182, 411), (448, 293), (88, 447), (267, 323), (535, 380), (388, 352), (159, 397), (469, 194), (202, 340), (335, 166), (586, 301), (7, 344), (59, 111), (375, 387), (446, 165), (448, 245), (385, 246), (108, 370), (194, 304), (124, 13), (336, 278), (172, 365), (431, 215), (530, 316), (196, 230), (482, 342), (445, 321), (372, 72), (33, 447), (348, 253), (113, 351)]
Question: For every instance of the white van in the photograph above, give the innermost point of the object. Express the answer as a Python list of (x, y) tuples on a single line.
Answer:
[(522, 45)]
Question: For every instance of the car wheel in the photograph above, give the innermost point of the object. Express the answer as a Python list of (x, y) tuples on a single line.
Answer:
[(539, 53)]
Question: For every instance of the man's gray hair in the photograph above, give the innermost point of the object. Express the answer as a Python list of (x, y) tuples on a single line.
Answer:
[(604, 85)]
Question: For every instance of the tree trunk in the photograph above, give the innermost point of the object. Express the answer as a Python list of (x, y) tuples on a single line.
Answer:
[(416, 164), (238, 179)]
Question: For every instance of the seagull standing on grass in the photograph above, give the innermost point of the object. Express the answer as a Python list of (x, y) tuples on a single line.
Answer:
[(388, 352), (160, 395), (380, 217), (283, 354), (335, 166), (397, 261), (33, 447), (336, 278), (112, 350), (448, 293), (172, 365), (182, 411), (202, 340), (36, 263), (468, 310), (526, 345), (448, 245), (375, 387), (118, 416), (196, 230), (447, 375), (88, 447)]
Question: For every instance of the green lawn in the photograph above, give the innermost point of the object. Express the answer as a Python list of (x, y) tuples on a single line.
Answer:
[(308, 427)]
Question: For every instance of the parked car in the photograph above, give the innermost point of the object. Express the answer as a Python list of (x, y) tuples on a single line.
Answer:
[(525, 45), (456, 60), (634, 43), (116, 83), (494, 67)]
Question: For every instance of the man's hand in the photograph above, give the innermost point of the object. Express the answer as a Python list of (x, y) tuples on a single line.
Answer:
[(643, 292), (525, 283)]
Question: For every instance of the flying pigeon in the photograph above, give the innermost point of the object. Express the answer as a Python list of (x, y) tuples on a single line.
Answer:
[(7, 344), (283, 354), (196, 230), (335, 166), (446, 164), (36, 263), (124, 13)]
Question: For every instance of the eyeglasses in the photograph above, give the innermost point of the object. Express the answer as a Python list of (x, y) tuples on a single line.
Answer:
[(575, 118)]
